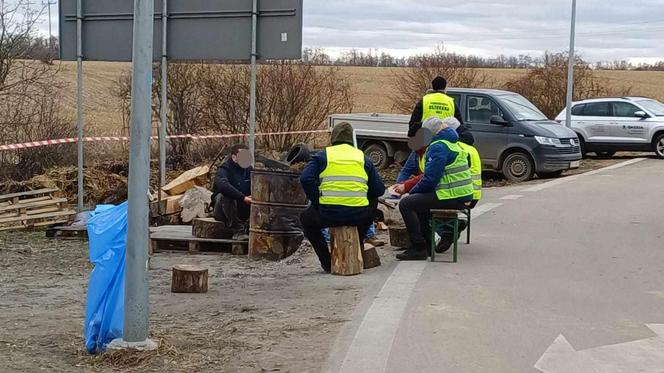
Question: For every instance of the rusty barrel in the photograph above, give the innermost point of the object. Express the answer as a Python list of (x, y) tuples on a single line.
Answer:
[(275, 231)]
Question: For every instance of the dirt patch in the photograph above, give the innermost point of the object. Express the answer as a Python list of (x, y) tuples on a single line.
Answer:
[(256, 317)]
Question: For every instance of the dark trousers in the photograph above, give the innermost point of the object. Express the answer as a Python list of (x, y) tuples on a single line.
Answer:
[(313, 222), (416, 212), (230, 211)]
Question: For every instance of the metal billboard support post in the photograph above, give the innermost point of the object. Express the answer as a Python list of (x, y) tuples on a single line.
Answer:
[(79, 102), (136, 312), (164, 96), (252, 100), (570, 68)]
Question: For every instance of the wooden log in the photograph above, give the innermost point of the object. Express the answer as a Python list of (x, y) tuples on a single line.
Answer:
[(370, 257), (189, 279), (187, 180), (210, 228), (346, 251), (169, 206), (399, 236), (240, 248)]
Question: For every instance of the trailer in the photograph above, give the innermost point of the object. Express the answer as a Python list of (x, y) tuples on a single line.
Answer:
[(382, 137)]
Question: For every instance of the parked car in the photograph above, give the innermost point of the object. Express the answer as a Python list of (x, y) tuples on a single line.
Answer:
[(512, 135), (608, 125)]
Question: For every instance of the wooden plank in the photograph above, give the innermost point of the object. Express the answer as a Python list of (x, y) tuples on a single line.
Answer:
[(169, 206), (34, 217), (29, 193), (34, 225), (33, 204), (186, 181)]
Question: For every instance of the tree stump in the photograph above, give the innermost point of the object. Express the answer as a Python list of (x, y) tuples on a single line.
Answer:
[(370, 257), (346, 251), (189, 279), (210, 228), (399, 236)]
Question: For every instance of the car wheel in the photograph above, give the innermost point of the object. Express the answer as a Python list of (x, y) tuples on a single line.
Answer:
[(518, 167), (378, 155), (659, 146), (605, 155), (550, 175)]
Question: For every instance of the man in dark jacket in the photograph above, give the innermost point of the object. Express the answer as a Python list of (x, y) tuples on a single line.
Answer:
[(343, 187), (231, 193), (438, 85), (446, 184)]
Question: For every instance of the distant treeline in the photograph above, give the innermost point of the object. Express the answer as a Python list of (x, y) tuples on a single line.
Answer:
[(377, 58)]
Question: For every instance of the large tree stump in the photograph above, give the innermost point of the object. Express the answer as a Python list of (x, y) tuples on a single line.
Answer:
[(370, 256), (346, 251), (210, 228), (189, 279)]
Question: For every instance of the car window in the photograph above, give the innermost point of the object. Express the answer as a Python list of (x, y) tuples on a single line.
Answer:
[(457, 99), (624, 109), (597, 109), (481, 109), (578, 109), (653, 106)]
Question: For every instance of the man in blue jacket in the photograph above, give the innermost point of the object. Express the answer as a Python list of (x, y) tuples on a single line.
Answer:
[(343, 187), (446, 184)]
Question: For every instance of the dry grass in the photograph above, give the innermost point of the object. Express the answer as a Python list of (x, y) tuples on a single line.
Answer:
[(372, 88)]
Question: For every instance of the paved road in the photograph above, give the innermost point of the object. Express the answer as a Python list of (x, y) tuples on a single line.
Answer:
[(581, 257)]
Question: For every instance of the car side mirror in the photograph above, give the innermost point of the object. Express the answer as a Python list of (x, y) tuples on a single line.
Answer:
[(497, 119), (641, 114)]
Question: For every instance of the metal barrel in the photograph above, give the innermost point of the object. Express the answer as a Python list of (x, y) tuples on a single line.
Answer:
[(275, 231)]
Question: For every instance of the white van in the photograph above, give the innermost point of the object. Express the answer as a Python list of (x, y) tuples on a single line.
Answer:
[(608, 125)]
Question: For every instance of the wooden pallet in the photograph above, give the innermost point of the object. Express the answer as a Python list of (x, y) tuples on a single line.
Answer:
[(68, 232), (169, 238), (37, 208)]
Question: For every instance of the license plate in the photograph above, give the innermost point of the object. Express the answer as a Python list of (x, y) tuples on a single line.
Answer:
[(575, 164)]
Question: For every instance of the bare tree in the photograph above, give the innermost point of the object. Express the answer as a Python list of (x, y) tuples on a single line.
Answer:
[(414, 81), (29, 103)]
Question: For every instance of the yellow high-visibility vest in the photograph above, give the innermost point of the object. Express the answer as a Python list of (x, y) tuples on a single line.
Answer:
[(437, 105), (475, 169), (456, 181), (344, 182)]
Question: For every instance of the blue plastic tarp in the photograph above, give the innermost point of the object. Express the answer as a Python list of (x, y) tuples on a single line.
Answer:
[(104, 313)]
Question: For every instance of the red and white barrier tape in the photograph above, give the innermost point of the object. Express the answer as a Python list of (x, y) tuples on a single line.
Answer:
[(71, 140)]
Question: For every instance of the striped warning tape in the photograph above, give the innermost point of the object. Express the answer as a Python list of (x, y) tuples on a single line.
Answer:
[(71, 140)]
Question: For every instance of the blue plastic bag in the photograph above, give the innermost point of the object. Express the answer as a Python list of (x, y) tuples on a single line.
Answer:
[(104, 312)]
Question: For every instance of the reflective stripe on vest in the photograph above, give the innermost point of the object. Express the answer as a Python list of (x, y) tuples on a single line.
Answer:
[(475, 169), (437, 105), (344, 182), (456, 181)]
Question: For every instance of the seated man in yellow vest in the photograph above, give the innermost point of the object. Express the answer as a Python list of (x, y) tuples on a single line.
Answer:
[(475, 163), (446, 184), (343, 187)]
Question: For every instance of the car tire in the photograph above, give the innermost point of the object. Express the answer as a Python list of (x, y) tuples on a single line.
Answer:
[(378, 155), (518, 167), (605, 155), (550, 175), (658, 146)]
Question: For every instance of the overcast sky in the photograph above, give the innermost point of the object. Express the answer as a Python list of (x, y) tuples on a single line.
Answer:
[(606, 30)]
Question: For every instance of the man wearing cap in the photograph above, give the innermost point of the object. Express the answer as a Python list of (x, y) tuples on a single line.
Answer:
[(343, 187), (446, 184)]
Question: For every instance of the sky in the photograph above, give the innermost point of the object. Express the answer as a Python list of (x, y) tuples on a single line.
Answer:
[(606, 29)]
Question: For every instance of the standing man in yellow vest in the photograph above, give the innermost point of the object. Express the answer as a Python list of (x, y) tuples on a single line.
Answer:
[(446, 184), (436, 103), (343, 186)]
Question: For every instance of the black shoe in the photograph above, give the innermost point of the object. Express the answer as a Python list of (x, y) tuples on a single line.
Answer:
[(241, 232), (413, 254), (401, 249), (443, 245)]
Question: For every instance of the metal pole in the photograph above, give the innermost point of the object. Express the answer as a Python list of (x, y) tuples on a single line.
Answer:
[(136, 314), (164, 96), (79, 100), (50, 33), (570, 68), (252, 103)]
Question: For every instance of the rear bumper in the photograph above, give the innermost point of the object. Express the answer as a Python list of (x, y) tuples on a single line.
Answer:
[(550, 159)]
